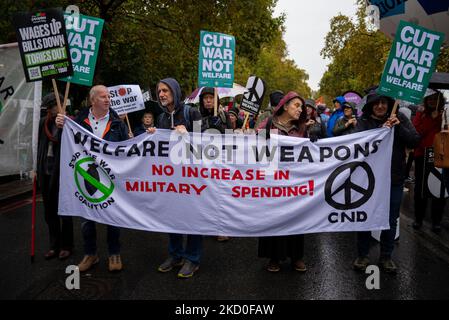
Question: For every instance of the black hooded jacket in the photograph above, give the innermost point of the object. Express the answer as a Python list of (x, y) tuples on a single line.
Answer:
[(167, 120), (206, 115), (405, 136), (45, 166)]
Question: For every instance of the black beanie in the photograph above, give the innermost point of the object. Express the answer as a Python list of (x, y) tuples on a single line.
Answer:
[(275, 97)]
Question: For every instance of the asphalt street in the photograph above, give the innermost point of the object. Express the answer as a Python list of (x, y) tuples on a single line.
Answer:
[(229, 270)]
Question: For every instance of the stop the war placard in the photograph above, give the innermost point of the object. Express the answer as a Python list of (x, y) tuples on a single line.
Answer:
[(43, 44), (84, 34), (216, 60), (411, 62), (126, 98)]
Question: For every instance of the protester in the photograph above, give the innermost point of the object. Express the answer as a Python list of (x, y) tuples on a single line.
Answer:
[(181, 117), (428, 124), (347, 123), (235, 122), (336, 114), (60, 229), (147, 122), (221, 122), (208, 121), (377, 113), (289, 119), (315, 128), (321, 111), (104, 123)]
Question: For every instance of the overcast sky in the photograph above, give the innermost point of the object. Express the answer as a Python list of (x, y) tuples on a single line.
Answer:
[(307, 23)]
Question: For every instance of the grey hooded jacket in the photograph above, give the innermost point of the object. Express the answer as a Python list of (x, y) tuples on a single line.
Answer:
[(167, 120)]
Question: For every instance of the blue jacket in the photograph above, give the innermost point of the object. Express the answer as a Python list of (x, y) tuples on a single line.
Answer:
[(337, 114)]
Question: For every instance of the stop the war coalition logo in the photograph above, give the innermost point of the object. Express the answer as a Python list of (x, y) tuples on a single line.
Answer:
[(93, 180)]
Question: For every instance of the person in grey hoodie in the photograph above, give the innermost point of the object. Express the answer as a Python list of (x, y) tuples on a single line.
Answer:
[(178, 116), (174, 115)]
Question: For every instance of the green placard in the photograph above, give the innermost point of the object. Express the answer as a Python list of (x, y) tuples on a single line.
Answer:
[(411, 62), (84, 34), (216, 60)]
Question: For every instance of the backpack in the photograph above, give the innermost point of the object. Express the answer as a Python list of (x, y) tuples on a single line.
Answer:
[(187, 117)]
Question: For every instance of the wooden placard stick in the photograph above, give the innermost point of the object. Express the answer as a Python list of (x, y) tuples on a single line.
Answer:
[(58, 101)]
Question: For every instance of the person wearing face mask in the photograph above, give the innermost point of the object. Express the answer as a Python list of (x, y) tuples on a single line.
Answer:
[(289, 119)]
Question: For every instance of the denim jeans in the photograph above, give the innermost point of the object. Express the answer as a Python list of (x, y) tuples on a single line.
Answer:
[(192, 251), (386, 236), (89, 232)]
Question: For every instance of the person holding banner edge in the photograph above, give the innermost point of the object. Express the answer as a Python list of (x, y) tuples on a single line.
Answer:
[(181, 118), (289, 119), (105, 123), (376, 114)]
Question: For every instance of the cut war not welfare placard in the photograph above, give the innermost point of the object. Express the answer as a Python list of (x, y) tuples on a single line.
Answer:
[(84, 34), (216, 60), (411, 62)]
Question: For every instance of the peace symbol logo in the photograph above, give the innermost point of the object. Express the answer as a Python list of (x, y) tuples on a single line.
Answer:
[(92, 181), (352, 194), (435, 183)]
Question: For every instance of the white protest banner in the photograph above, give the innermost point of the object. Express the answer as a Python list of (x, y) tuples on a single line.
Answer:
[(126, 98), (228, 184), (19, 114)]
